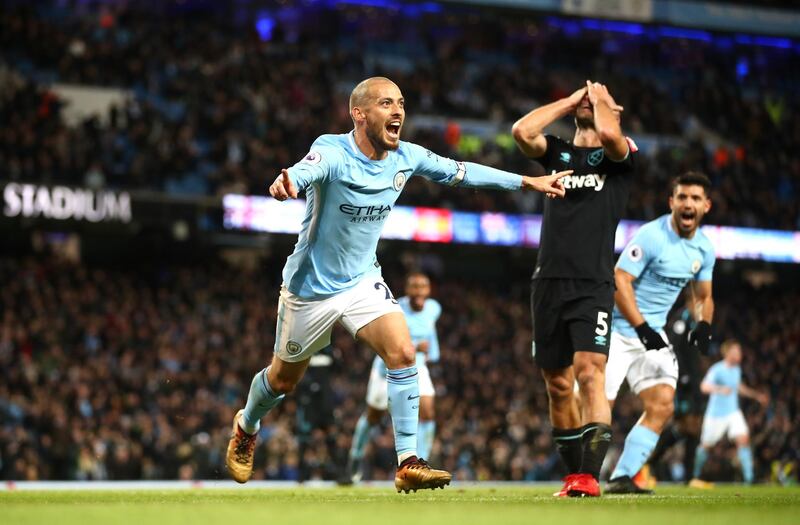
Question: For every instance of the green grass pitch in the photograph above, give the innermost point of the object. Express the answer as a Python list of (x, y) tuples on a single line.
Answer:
[(728, 505)]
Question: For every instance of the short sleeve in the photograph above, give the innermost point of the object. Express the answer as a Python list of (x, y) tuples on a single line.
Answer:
[(711, 376), (628, 161), (642, 249), (707, 270), (554, 147), (436, 309)]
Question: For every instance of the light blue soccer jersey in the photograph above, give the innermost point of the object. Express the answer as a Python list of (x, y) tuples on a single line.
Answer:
[(422, 325), (349, 196), (720, 374), (663, 263)]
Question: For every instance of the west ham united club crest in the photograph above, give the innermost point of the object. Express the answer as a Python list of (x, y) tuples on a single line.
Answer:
[(399, 181), (596, 157)]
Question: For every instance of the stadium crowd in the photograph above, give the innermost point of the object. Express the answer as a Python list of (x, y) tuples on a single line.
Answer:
[(218, 106), (134, 372)]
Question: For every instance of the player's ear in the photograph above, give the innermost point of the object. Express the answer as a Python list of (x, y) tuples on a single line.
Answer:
[(708, 204), (357, 114)]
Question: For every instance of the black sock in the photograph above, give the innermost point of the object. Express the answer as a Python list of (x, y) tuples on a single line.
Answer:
[(569, 446), (690, 447), (595, 439), (668, 438)]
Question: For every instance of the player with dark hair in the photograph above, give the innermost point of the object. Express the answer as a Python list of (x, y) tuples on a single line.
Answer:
[(573, 285), (422, 312), (351, 182), (664, 256)]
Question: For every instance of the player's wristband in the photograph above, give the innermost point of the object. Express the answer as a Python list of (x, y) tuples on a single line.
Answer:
[(700, 337), (651, 339)]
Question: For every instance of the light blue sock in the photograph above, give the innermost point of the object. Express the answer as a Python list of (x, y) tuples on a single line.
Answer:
[(260, 400), (360, 437), (404, 408), (746, 459), (638, 446), (427, 430), (700, 458)]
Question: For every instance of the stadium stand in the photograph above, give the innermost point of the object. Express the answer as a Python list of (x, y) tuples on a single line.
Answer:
[(132, 371), (218, 106), (128, 373)]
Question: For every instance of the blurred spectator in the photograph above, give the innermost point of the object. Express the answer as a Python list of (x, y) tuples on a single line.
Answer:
[(219, 107), (128, 374)]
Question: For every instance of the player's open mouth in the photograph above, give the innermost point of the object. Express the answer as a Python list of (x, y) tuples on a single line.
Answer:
[(393, 129), (687, 218)]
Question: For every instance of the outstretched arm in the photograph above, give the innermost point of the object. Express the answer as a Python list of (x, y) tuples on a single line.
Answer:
[(529, 130), (472, 175)]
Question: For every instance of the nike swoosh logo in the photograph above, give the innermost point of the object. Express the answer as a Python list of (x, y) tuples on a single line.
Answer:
[(412, 397), (365, 190)]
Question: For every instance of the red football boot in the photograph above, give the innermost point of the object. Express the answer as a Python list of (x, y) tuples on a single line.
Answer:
[(567, 482), (582, 486)]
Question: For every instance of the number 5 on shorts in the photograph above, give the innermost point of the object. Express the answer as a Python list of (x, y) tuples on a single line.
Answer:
[(602, 324)]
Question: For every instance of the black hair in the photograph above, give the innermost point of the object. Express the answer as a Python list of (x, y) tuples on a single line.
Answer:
[(692, 178)]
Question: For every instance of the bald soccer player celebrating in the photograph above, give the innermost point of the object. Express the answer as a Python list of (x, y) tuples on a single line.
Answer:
[(351, 182)]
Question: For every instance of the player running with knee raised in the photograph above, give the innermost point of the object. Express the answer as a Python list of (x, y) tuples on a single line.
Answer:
[(352, 181), (421, 312), (573, 285), (664, 256), (723, 384)]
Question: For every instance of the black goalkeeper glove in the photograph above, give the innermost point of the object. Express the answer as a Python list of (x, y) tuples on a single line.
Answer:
[(651, 339), (700, 337)]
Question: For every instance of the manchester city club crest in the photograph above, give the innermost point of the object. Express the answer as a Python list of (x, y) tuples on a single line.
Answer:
[(399, 181), (293, 348), (596, 157), (695, 266)]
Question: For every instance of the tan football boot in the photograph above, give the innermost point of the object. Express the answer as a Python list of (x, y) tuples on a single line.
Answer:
[(241, 449), (414, 474), (697, 483)]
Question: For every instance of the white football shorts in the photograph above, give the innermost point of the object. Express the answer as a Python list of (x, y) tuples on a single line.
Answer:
[(628, 359), (714, 428), (304, 325)]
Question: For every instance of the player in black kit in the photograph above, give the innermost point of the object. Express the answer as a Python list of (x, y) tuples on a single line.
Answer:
[(572, 292), (689, 402)]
